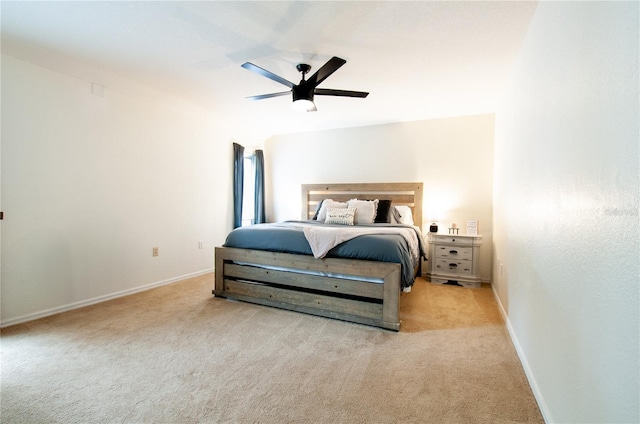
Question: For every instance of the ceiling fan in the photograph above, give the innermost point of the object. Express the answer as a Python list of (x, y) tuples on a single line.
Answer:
[(304, 91)]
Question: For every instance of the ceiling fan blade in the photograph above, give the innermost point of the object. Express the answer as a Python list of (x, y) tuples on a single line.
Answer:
[(343, 93), (268, 96), (265, 73), (327, 69)]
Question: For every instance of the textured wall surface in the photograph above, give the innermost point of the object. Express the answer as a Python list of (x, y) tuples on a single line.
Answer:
[(566, 209), (92, 180)]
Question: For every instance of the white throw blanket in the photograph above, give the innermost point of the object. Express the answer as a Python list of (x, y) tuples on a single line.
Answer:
[(322, 239)]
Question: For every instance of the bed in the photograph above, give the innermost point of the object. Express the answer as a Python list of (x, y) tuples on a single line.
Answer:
[(353, 289)]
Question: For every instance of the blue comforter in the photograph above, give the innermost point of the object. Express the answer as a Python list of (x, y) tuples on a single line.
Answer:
[(282, 237)]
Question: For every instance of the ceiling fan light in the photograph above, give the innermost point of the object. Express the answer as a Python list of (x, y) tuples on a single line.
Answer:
[(304, 105), (303, 97)]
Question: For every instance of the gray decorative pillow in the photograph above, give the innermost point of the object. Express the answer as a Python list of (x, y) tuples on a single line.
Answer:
[(340, 216)]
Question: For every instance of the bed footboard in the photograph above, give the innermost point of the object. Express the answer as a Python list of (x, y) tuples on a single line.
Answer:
[(292, 282)]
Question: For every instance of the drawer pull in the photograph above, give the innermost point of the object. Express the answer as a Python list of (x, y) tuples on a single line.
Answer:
[(453, 252), (453, 265)]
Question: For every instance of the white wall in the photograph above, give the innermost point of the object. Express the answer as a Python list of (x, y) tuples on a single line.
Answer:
[(90, 184), (566, 223), (452, 157)]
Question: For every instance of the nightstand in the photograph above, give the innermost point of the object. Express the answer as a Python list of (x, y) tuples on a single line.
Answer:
[(454, 259)]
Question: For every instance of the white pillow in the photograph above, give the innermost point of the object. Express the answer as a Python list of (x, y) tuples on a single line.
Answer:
[(365, 210), (341, 216), (326, 204), (402, 215)]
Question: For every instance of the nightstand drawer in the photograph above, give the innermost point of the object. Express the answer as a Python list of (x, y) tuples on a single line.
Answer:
[(454, 266), (454, 252), (452, 240)]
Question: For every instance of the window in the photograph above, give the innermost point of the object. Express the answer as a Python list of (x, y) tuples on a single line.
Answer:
[(248, 190), (248, 187)]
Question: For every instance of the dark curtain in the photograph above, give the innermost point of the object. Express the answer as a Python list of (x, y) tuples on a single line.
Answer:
[(238, 182), (259, 188)]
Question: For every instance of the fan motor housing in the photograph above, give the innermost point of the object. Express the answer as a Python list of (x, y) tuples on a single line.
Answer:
[(303, 92)]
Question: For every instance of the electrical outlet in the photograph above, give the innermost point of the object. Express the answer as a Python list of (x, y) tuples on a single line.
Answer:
[(154, 251), (200, 244)]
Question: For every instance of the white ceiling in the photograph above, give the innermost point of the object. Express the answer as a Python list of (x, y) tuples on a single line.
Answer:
[(418, 60)]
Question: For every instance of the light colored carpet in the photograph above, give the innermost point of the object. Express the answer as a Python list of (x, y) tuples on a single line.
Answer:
[(176, 354)]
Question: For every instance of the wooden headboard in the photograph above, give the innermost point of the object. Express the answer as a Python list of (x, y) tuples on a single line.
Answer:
[(400, 194)]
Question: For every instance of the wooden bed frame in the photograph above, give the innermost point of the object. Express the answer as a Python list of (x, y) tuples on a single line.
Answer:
[(238, 274)]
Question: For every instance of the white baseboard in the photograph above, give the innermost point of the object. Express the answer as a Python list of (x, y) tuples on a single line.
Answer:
[(99, 299), (523, 360)]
